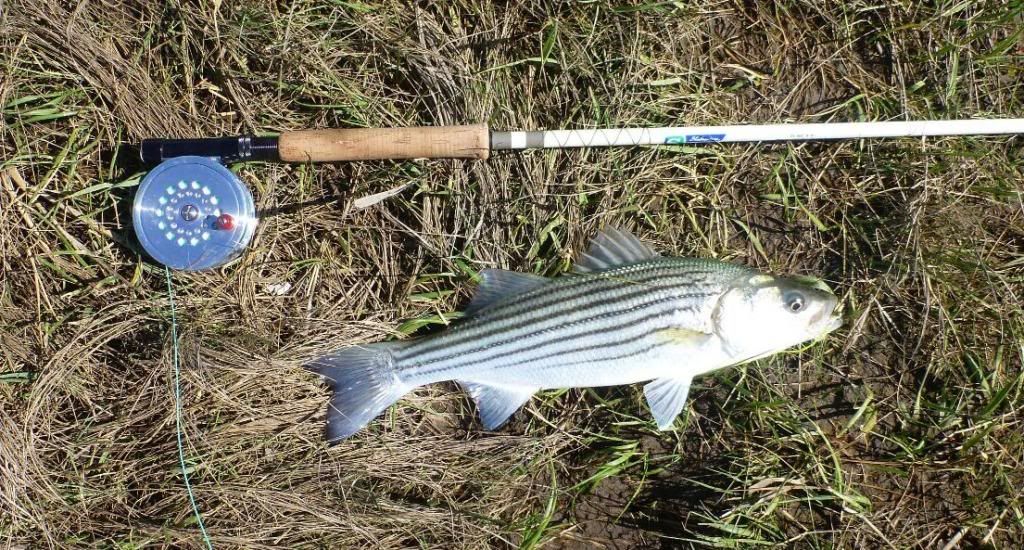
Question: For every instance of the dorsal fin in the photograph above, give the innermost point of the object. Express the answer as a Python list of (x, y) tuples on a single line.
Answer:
[(497, 284), (611, 248)]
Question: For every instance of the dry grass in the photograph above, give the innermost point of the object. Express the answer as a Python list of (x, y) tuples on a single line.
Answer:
[(902, 430)]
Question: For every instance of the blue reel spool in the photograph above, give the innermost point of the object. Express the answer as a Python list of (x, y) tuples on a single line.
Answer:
[(192, 213)]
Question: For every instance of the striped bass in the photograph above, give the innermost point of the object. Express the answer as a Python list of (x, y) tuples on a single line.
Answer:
[(625, 315)]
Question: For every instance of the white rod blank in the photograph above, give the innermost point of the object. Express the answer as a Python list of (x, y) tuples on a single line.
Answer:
[(610, 137)]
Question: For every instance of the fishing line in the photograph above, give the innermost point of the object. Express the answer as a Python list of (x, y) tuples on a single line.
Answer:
[(178, 422)]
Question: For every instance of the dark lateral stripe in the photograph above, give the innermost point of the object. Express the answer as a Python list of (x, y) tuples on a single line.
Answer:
[(635, 353), (599, 300), (561, 333), (531, 309), (614, 329), (558, 337), (641, 273), (527, 312), (576, 317)]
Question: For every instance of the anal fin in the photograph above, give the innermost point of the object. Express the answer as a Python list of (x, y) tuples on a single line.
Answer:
[(496, 404), (666, 397)]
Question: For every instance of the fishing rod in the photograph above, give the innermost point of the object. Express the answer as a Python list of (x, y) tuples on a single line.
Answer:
[(192, 213), (477, 141)]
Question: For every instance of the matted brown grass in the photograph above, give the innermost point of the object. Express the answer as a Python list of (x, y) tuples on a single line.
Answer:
[(902, 430)]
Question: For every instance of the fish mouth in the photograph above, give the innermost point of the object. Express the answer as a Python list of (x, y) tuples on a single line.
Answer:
[(829, 318)]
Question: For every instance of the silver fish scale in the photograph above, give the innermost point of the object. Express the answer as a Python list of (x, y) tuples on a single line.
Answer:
[(572, 321)]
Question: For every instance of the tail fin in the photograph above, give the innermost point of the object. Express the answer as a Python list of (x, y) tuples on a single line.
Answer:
[(364, 382)]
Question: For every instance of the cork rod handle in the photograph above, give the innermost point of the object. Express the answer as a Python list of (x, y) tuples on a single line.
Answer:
[(467, 142)]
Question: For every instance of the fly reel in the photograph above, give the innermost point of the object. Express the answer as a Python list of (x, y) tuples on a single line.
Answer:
[(192, 213)]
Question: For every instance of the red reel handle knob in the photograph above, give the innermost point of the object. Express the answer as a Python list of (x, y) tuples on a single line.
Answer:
[(225, 222)]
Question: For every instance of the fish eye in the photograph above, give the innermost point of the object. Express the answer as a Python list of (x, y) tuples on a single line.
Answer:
[(794, 302)]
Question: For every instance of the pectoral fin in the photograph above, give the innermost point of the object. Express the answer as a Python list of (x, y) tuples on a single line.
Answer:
[(666, 397), (496, 404), (684, 336)]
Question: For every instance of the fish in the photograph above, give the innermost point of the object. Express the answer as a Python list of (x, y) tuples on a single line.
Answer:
[(623, 315)]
